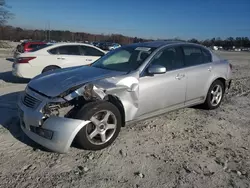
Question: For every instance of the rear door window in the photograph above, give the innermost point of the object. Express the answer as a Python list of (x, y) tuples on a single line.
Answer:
[(90, 51), (54, 51), (69, 50), (193, 55)]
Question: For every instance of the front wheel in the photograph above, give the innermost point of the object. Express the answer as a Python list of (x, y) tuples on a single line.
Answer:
[(104, 127), (215, 95)]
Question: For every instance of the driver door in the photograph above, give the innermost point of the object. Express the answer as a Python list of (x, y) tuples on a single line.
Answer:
[(166, 91)]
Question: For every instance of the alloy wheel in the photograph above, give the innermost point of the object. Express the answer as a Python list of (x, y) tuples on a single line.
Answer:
[(216, 95), (102, 127)]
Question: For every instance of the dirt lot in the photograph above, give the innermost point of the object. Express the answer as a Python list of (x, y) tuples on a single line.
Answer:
[(185, 148)]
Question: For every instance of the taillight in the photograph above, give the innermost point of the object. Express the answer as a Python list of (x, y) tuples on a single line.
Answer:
[(28, 49), (25, 49), (24, 59)]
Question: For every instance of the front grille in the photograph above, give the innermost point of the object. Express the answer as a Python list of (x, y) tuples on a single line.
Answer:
[(30, 101)]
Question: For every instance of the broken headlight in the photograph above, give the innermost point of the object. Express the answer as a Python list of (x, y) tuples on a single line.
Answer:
[(70, 91), (84, 91), (51, 109), (60, 109), (87, 92)]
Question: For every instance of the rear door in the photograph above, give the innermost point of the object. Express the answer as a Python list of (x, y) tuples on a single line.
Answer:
[(66, 56), (89, 54), (199, 70)]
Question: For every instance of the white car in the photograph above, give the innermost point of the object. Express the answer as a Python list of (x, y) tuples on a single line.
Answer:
[(114, 46), (55, 56)]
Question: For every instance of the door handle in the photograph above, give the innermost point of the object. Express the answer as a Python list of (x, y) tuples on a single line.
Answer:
[(210, 68), (88, 59), (62, 58), (180, 76)]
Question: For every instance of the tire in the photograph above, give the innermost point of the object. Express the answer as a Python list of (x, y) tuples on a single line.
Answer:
[(83, 138), (50, 68), (208, 104)]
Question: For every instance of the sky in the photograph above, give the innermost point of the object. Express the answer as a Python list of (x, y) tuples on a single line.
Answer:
[(152, 19)]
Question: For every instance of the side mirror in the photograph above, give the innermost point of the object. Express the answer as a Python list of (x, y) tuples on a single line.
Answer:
[(157, 69)]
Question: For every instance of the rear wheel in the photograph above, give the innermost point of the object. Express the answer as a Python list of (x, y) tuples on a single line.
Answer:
[(104, 127), (215, 95), (50, 68)]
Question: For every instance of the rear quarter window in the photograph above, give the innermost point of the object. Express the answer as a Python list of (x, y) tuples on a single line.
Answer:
[(53, 51), (207, 57)]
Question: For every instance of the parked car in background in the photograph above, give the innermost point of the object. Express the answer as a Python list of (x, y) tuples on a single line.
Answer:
[(101, 45), (28, 46), (114, 46), (95, 44), (90, 104), (54, 56), (109, 46)]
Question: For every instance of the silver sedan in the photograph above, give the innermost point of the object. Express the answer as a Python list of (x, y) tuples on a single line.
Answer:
[(90, 104)]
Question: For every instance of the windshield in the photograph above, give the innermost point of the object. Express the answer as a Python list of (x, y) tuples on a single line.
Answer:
[(124, 59)]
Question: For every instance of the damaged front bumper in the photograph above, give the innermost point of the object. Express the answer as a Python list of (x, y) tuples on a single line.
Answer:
[(55, 133)]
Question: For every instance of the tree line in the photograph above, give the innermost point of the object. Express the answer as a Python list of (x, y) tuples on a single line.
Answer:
[(237, 42), (17, 34)]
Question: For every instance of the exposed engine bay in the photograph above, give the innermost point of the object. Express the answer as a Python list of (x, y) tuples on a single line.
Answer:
[(69, 102), (123, 92)]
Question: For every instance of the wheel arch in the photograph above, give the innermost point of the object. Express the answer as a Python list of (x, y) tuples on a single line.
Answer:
[(222, 79), (50, 66), (117, 102)]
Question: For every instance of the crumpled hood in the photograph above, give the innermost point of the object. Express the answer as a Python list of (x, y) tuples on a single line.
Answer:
[(55, 83)]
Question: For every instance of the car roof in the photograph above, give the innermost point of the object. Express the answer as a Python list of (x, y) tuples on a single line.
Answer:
[(54, 45), (157, 43), (70, 43)]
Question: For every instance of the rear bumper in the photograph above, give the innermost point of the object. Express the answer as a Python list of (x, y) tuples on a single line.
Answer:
[(24, 70)]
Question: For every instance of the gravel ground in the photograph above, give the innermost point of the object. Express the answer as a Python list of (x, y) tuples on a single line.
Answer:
[(185, 148)]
